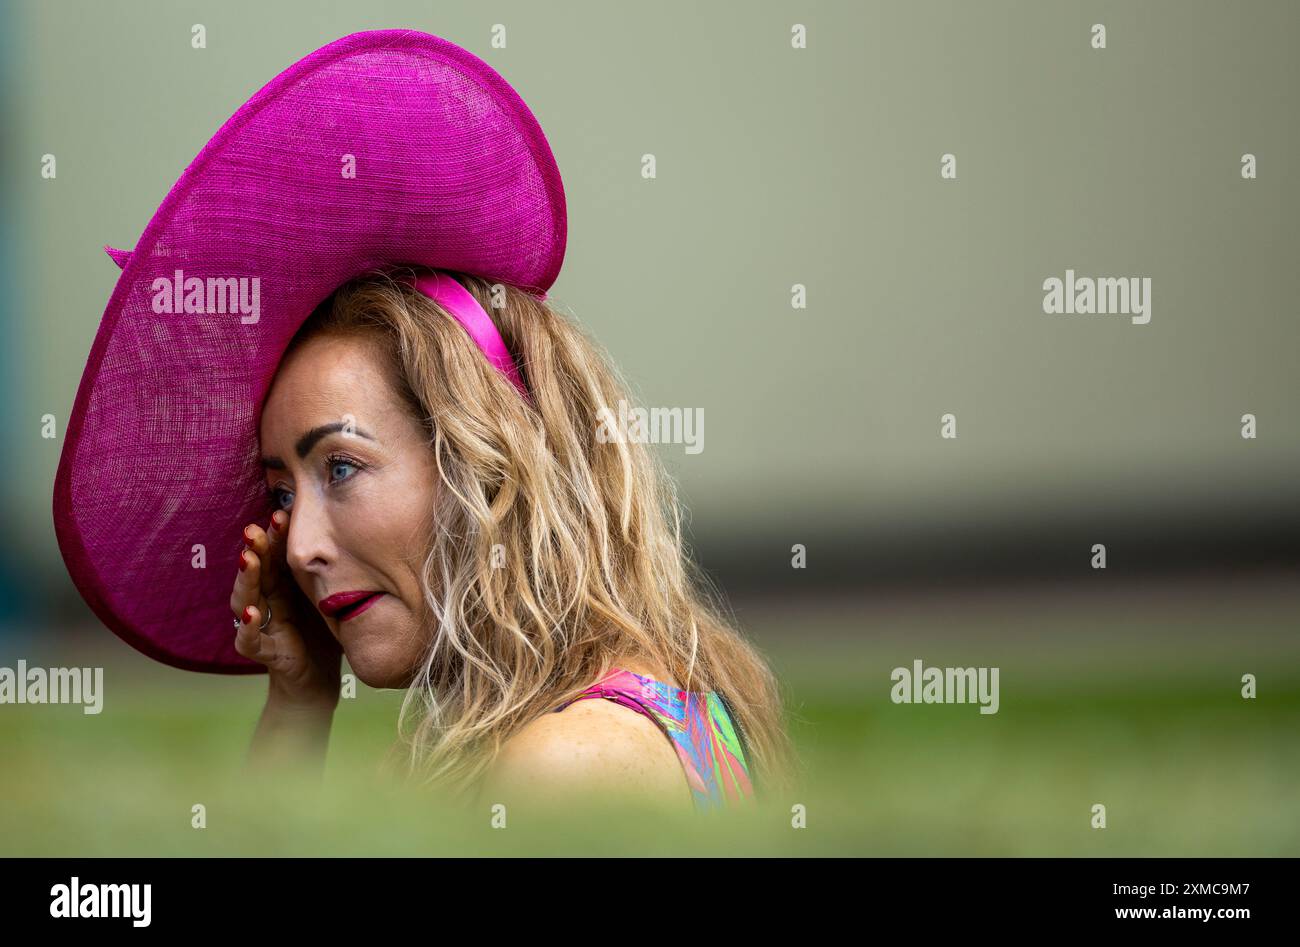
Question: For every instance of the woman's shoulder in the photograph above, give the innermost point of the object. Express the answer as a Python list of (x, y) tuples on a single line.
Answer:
[(594, 747)]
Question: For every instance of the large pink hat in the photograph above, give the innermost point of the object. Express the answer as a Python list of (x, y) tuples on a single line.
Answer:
[(382, 148)]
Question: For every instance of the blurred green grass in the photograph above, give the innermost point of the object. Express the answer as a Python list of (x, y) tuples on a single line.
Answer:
[(1136, 711)]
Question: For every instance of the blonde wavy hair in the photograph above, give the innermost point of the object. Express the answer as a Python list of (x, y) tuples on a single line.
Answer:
[(553, 554)]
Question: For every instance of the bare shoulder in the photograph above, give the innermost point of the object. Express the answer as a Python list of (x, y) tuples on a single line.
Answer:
[(594, 747)]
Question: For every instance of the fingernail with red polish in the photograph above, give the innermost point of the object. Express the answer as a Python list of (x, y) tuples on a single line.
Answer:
[(243, 562), (248, 615)]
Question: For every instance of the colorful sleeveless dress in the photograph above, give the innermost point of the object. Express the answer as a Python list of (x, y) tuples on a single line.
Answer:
[(699, 726)]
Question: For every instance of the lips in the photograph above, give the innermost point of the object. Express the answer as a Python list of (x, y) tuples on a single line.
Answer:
[(345, 605)]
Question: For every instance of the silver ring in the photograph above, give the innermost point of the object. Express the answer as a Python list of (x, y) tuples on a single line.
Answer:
[(261, 627)]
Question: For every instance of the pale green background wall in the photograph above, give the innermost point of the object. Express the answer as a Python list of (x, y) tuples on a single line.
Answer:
[(777, 166)]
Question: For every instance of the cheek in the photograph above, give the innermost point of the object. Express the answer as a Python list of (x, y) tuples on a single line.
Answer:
[(387, 521), (370, 524)]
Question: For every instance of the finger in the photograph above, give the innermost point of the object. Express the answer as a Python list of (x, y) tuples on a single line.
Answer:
[(249, 641), (255, 538), (274, 555), (276, 651), (248, 584)]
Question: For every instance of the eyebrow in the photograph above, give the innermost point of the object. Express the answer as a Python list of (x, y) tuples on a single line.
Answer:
[(309, 440)]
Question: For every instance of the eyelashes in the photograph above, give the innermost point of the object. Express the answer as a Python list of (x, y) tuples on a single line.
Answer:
[(277, 494), (334, 460)]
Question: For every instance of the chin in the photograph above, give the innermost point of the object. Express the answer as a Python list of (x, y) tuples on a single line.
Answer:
[(378, 667), (380, 651)]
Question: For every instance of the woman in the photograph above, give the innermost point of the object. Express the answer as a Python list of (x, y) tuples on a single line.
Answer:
[(511, 560), (300, 348)]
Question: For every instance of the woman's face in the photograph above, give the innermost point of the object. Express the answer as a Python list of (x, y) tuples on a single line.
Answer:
[(357, 501)]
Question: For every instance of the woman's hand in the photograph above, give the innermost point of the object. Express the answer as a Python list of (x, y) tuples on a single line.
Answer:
[(297, 647)]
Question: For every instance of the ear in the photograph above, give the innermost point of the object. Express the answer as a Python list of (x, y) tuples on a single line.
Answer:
[(119, 256)]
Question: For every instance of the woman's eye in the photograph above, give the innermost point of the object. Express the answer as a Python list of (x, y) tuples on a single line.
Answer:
[(336, 465), (339, 471)]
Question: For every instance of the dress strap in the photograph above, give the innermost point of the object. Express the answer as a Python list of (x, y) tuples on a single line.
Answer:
[(696, 723)]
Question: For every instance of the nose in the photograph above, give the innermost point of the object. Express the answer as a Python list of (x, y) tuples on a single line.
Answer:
[(309, 546)]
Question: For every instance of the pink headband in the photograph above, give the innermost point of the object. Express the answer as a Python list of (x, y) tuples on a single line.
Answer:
[(456, 299)]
